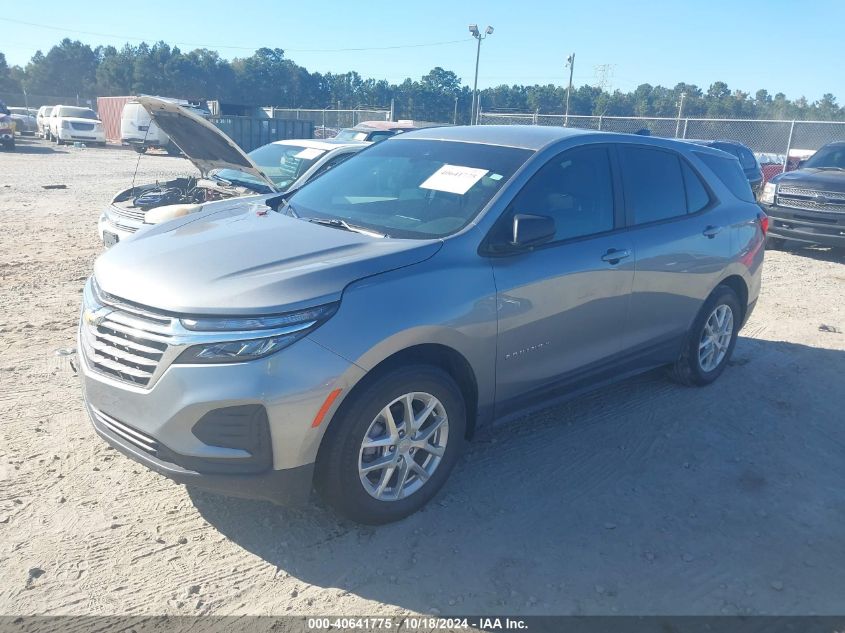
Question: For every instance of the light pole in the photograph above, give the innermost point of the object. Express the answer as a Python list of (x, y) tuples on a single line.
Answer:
[(570, 63), (455, 119), (473, 28), (680, 113)]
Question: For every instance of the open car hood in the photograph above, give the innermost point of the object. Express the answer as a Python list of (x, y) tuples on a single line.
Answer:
[(202, 143)]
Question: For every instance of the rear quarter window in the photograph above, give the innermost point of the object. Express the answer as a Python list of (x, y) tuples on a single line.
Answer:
[(729, 171)]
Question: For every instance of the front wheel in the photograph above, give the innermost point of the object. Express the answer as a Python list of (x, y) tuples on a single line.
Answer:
[(393, 446), (711, 340)]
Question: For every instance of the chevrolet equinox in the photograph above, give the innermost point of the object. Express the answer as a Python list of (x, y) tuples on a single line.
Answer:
[(351, 335)]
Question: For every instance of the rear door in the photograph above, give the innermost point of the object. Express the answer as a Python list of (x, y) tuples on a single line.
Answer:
[(563, 306), (682, 243)]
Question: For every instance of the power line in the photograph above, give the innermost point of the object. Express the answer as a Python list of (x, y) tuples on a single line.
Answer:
[(227, 46)]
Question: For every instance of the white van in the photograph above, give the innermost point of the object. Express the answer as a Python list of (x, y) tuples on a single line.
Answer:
[(138, 130)]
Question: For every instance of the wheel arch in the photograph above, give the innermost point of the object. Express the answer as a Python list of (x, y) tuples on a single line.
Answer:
[(738, 285), (446, 358)]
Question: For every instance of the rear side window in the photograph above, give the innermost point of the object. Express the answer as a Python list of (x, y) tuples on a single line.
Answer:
[(697, 196), (730, 173), (654, 183)]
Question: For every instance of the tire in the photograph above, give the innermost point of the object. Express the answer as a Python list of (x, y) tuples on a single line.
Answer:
[(338, 479), (689, 369), (141, 149), (775, 243)]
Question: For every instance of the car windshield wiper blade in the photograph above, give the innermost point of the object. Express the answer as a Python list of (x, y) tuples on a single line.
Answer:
[(343, 224)]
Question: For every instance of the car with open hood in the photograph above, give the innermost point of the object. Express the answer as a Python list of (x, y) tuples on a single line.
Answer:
[(808, 204), (225, 171), (351, 335)]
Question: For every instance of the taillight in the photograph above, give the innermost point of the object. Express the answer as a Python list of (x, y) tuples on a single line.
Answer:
[(764, 222)]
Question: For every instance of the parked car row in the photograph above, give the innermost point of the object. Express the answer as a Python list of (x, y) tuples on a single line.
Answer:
[(351, 334), (69, 124)]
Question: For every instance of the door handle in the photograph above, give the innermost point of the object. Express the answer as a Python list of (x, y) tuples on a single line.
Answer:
[(711, 231), (614, 256)]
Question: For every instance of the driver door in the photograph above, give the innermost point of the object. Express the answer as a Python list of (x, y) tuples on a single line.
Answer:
[(563, 306)]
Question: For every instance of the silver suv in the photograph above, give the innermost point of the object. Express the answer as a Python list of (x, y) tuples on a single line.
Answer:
[(352, 335)]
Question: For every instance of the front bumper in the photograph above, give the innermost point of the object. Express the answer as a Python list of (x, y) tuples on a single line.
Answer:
[(290, 486), (290, 385), (123, 228), (81, 136), (823, 228)]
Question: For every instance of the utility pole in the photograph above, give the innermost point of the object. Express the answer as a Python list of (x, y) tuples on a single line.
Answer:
[(680, 113), (473, 28), (455, 119), (570, 63)]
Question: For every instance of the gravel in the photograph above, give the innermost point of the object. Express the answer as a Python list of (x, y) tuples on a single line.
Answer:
[(747, 474)]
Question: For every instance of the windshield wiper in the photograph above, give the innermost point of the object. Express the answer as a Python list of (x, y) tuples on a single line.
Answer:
[(338, 223), (830, 167)]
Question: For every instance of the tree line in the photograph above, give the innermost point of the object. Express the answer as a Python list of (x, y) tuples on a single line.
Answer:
[(268, 77)]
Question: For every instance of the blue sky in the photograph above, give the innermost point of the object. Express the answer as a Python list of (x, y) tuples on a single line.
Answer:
[(784, 46)]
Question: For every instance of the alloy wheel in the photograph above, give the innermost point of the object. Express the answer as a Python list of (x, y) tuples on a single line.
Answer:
[(715, 338), (403, 446)]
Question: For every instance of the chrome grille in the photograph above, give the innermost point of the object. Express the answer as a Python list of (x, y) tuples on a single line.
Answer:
[(133, 213), (82, 127), (810, 199), (125, 342), (135, 437), (129, 228)]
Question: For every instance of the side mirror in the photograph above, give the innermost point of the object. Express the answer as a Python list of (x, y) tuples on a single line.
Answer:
[(801, 163), (531, 230)]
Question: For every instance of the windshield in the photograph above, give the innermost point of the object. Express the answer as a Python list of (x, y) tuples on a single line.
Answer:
[(282, 164), (79, 113), (828, 157), (351, 135), (411, 188)]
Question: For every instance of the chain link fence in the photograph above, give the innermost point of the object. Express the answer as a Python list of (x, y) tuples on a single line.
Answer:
[(21, 100), (780, 138), (329, 122)]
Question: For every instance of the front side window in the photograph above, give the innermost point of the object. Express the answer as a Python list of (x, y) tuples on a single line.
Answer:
[(410, 188), (575, 189), (654, 183)]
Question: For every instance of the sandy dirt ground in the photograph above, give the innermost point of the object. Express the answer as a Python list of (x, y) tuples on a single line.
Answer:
[(642, 498)]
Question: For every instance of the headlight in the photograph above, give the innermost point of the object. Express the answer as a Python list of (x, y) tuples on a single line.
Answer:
[(268, 335), (65, 125), (768, 194)]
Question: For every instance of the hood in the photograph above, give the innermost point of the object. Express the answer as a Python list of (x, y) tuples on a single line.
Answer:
[(813, 178), (79, 119), (204, 144), (237, 262)]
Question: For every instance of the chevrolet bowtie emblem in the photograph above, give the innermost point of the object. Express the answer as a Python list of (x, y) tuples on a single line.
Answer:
[(95, 318)]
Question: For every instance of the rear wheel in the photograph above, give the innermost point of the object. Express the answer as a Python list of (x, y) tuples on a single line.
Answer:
[(775, 243), (711, 340), (141, 149), (394, 445)]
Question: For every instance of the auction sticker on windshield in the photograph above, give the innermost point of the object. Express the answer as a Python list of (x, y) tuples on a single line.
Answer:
[(454, 179), (308, 153)]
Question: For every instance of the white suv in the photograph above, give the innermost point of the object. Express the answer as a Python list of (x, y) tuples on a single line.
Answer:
[(72, 123)]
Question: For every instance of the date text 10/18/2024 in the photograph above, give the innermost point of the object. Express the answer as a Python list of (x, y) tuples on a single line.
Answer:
[(414, 623)]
